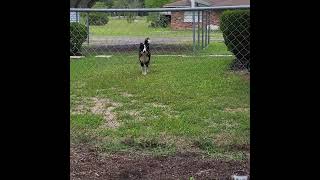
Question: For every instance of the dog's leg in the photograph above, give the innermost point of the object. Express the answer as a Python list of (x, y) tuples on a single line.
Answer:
[(144, 70), (142, 67), (147, 65)]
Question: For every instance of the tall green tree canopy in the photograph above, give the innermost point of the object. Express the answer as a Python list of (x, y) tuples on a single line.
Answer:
[(128, 3), (156, 3), (82, 3)]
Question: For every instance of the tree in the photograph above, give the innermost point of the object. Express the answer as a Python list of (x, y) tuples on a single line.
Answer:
[(155, 18), (108, 3), (156, 3), (82, 3), (129, 4)]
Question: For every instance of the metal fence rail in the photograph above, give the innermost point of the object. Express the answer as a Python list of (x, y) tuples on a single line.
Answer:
[(160, 9)]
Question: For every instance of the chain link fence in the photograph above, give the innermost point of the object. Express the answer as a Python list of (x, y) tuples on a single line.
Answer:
[(172, 31)]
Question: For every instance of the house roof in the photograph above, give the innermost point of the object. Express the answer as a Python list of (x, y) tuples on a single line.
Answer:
[(187, 3), (228, 2)]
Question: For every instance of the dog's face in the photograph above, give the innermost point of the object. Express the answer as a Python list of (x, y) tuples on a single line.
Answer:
[(147, 41)]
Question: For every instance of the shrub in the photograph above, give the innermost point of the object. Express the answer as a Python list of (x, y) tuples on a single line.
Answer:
[(130, 17), (99, 5), (160, 21), (98, 19), (78, 34), (235, 26)]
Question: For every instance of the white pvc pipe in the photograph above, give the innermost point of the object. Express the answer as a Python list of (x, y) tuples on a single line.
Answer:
[(192, 4)]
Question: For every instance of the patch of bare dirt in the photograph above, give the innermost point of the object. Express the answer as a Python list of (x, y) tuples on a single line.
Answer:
[(245, 74), (159, 105), (86, 163), (234, 110), (133, 113), (99, 106), (165, 109), (223, 139), (247, 77), (240, 147), (125, 94), (107, 112), (136, 114)]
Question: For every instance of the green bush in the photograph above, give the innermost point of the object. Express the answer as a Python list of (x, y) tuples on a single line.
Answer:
[(160, 21), (98, 19), (100, 5), (78, 34), (130, 17), (235, 26)]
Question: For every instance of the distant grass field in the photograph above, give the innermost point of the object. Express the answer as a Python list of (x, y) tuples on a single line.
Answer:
[(120, 27), (183, 104)]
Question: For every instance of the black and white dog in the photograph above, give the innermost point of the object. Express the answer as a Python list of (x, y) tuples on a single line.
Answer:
[(144, 56)]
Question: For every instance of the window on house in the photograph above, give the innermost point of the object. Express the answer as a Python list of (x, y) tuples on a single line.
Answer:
[(188, 16)]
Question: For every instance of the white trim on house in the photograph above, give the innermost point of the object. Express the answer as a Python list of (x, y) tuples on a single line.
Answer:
[(202, 2), (187, 16), (176, 6), (193, 3), (165, 13)]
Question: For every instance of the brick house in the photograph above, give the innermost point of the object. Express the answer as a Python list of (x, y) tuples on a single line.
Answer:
[(183, 20)]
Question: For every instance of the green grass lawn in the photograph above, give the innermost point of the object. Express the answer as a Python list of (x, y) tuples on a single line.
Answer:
[(120, 27), (183, 104), (214, 48)]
